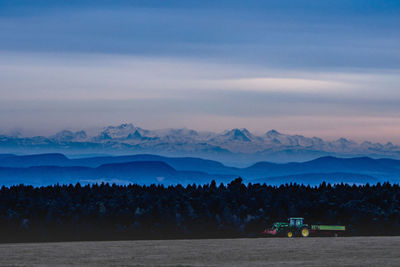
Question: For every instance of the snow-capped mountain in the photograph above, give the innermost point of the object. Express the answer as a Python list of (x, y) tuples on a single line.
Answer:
[(238, 135), (235, 146), (123, 131)]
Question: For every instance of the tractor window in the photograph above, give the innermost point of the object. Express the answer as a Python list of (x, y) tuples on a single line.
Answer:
[(295, 221)]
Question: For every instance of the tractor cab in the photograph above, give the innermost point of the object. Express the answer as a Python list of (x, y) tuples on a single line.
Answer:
[(296, 222)]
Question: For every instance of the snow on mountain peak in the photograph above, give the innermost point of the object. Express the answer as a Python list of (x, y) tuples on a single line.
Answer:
[(120, 131), (135, 135), (273, 133), (67, 135), (239, 135)]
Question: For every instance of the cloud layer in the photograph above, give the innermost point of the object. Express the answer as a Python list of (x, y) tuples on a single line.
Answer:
[(325, 69)]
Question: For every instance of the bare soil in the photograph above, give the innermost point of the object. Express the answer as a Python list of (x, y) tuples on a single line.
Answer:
[(342, 251)]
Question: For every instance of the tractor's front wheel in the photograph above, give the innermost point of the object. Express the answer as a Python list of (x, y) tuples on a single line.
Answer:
[(305, 232), (289, 234)]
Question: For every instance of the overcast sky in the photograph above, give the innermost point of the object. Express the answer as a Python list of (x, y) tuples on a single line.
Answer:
[(318, 68)]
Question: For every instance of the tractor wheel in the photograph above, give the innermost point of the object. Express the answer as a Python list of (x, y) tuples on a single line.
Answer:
[(305, 232), (289, 234)]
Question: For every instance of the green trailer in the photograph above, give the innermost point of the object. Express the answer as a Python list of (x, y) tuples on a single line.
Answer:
[(296, 227), (334, 230)]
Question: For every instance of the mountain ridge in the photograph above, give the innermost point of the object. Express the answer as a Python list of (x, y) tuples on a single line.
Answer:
[(237, 147)]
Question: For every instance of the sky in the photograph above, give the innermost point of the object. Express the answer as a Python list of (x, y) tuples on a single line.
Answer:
[(319, 68)]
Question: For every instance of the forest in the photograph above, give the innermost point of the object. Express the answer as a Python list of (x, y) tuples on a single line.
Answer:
[(127, 212)]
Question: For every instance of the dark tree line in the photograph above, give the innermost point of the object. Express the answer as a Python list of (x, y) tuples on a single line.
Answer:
[(105, 212)]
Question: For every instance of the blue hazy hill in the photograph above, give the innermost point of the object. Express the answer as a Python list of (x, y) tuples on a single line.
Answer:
[(2, 156), (56, 159), (145, 169), (140, 172), (48, 159), (42, 175), (362, 165)]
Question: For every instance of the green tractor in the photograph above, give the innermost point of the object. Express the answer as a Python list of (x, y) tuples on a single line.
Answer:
[(295, 227)]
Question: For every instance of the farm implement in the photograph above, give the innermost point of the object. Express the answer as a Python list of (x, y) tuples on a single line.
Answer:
[(296, 227)]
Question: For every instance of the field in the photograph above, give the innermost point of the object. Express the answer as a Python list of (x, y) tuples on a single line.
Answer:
[(345, 251)]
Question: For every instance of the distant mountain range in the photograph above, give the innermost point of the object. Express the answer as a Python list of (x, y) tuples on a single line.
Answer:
[(43, 169), (237, 147)]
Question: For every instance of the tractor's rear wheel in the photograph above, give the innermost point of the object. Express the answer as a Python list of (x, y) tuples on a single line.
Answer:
[(305, 232), (289, 234)]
